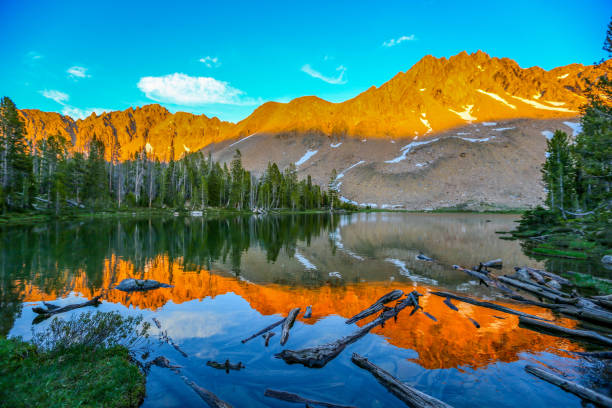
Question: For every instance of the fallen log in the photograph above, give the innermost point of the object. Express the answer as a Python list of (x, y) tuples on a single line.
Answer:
[(448, 303), (599, 316), (227, 366), (488, 305), (139, 285), (411, 396), (567, 385), (486, 279), (267, 337), (163, 335), (308, 312), (551, 275), (559, 331), (602, 355), (45, 313), (319, 356), (264, 330), (376, 306), (423, 257), (525, 279), (290, 397), (544, 293), (208, 397), (495, 263), (288, 324)]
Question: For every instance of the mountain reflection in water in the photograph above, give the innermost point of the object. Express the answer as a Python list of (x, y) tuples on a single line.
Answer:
[(233, 276)]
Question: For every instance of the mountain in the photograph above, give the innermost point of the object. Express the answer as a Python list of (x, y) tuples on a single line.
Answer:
[(467, 130)]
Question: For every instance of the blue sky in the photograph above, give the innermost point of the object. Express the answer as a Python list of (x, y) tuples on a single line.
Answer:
[(225, 58)]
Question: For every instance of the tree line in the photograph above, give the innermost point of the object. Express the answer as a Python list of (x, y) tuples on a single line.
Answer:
[(46, 175)]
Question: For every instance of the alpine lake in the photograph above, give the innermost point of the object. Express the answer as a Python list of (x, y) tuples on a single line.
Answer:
[(233, 276)]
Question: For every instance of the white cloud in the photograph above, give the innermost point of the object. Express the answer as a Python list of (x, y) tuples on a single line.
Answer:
[(77, 113), (57, 96), (396, 41), (78, 72), (182, 89), (339, 80), (210, 62), (34, 55)]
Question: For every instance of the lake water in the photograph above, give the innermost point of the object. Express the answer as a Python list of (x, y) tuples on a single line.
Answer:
[(234, 276)]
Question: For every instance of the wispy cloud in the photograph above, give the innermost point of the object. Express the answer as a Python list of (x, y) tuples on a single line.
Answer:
[(396, 41), (210, 62), (57, 96), (182, 89), (339, 80), (78, 72), (34, 55)]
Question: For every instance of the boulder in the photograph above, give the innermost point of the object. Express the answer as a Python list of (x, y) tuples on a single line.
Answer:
[(607, 259), (131, 285)]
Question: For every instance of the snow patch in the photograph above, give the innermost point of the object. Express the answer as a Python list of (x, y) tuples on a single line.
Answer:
[(563, 76), (406, 272), (547, 134), (502, 129), (242, 140), (186, 149), (148, 148), (474, 140), (406, 149), (420, 164), (466, 114), (538, 105), (555, 103), (496, 97), (422, 89), (489, 124), (576, 127), (339, 176), (335, 145), (426, 123), (305, 157), (301, 259), (335, 275)]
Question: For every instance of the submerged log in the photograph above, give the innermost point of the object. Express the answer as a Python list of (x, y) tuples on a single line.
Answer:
[(264, 330), (567, 385), (486, 279), (290, 397), (488, 305), (559, 331), (527, 280), (288, 324), (308, 312), (139, 285), (598, 316), (551, 275), (422, 257), (163, 335), (602, 355), (376, 306), (45, 313), (267, 337), (227, 366), (411, 396), (208, 397), (319, 356), (448, 303)]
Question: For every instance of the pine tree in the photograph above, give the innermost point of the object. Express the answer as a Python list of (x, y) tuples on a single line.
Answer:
[(332, 190), (559, 175)]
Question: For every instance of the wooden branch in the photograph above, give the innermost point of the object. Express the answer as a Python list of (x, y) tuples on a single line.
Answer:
[(487, 280), (267, 337), (551, 275), (227, 366), (567, 385), (409, 395), (495, 263), (163, 335), (559, 331), (545, 293), (488, 305), (290, 397), (598, 316), (319, 356), (45, 313), (376, 306), (264, 330), (308, 312), (288, 324)]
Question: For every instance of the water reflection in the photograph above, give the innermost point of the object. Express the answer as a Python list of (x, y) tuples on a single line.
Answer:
[(233, 276)]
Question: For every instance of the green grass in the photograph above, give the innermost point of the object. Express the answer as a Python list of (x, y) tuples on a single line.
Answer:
[(589, 282), (560, 253), (74, 377)]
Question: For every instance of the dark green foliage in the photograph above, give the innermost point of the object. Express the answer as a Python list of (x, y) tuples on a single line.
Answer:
[(78, 376)]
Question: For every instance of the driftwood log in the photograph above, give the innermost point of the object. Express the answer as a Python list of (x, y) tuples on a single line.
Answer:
[(411, 396), (288, 324), (163, 335), (535, 289), (577, 389), (50, 311), (599, 316), (552, 329), (319, 356), (290, 397), (208, 397), (495, 263), (423, 257), (376, 306), (527, 279), (488, 305), (308, 312), (264, 330), (551, 275), (227, 366), (486, 279), (267, 336)]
